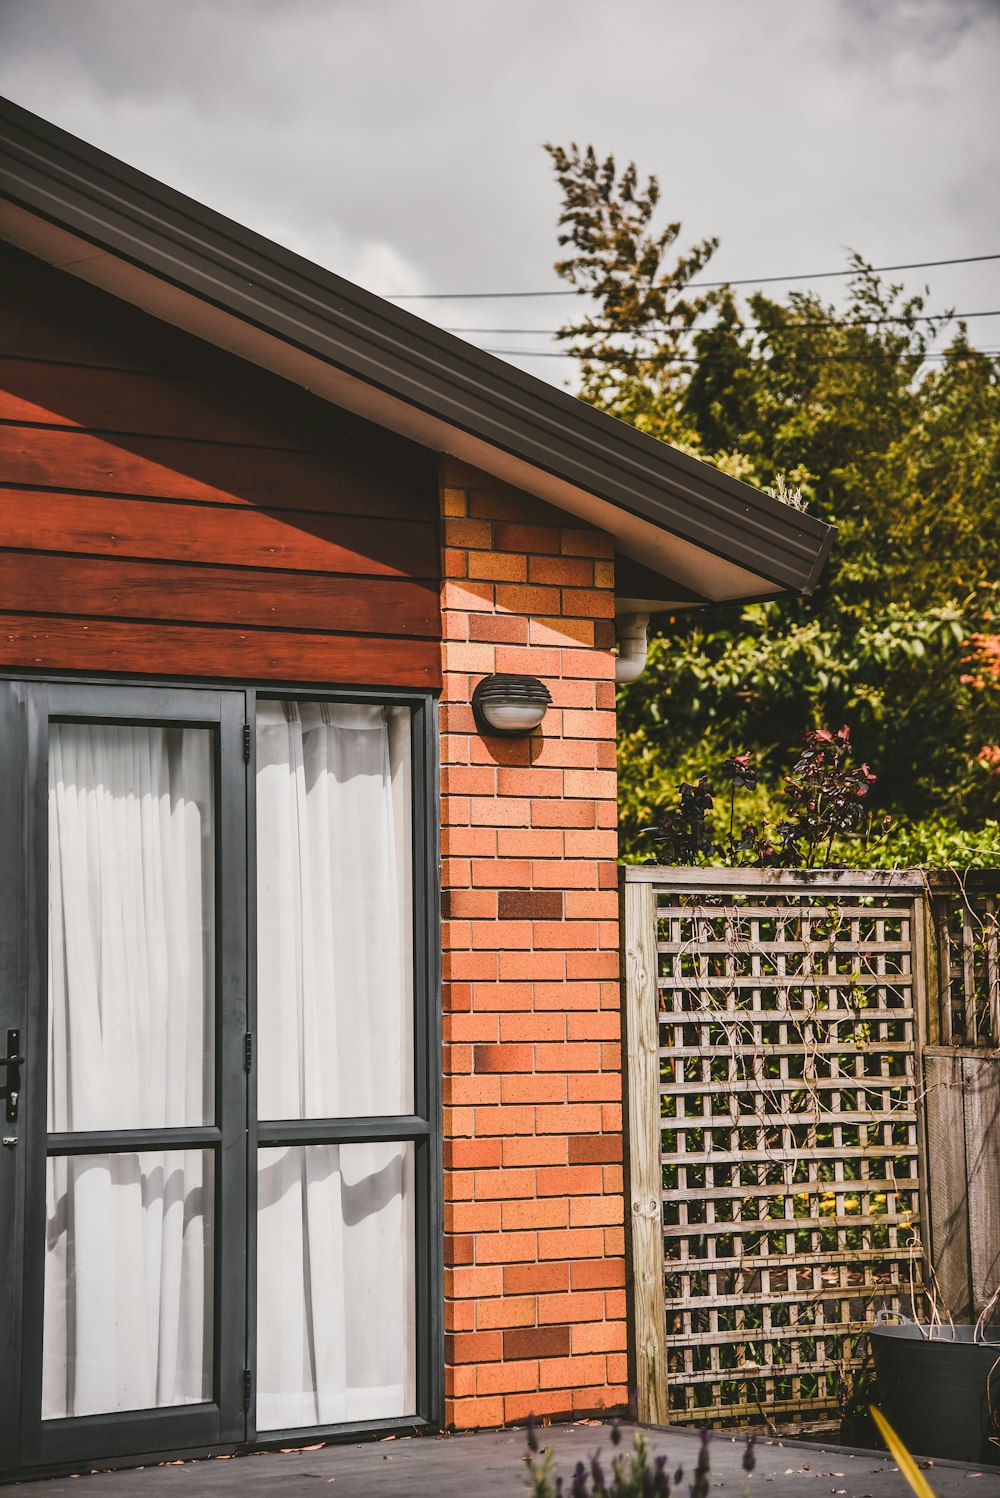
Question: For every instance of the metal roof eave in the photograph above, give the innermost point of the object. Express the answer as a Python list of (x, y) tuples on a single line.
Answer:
[(575, 452)]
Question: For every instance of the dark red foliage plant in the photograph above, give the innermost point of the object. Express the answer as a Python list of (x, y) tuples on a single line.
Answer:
[(826, 799)]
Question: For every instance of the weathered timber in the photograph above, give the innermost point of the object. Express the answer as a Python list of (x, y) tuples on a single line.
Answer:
[(981, 1105), (948, 1198), (789, 1006), (644, 1179)]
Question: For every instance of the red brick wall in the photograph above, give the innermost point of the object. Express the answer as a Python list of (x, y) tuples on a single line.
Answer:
[(535, 1301)]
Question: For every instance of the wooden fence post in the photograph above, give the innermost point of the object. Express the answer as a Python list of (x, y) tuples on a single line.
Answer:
[(981, 1105), (946, 1194), (645, 1180)]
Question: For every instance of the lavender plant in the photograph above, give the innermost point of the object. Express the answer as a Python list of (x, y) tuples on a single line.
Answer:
[(631, 1474)]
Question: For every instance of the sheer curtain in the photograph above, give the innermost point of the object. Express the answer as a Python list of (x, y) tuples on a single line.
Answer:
[(128, 1282), (335, 1312)]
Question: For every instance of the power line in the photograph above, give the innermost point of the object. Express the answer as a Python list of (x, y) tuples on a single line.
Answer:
[(819, 275), (524, 353), (863, 322)]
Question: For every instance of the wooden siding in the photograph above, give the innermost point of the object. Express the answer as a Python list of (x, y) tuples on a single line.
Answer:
[(167, 508)]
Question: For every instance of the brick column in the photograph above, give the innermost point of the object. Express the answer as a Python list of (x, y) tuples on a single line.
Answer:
[(535, 1303)]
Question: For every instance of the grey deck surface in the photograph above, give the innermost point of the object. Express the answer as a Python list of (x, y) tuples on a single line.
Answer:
[(489, 1465)]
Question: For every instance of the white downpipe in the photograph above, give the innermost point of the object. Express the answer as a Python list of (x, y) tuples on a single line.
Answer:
[(631, 660)]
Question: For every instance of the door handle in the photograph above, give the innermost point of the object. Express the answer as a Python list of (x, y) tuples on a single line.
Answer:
[(12, 1061)]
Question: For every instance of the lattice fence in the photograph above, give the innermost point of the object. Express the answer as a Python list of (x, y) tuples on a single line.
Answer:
[(788, 1134), (966, 953)]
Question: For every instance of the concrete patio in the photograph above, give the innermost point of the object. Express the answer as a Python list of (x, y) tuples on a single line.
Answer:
[(465, 1466)]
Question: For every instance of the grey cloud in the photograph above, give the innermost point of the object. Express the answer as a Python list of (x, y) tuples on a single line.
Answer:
[(403, 137), (878, 29)]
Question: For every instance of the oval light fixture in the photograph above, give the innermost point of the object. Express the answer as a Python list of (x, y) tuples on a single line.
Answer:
[(509, 706)]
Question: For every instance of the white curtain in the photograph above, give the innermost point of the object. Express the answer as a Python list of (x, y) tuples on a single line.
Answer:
[(128, 1285), (335, 1315)]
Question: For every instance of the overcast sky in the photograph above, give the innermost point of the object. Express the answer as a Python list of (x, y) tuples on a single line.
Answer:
[(399, 142)]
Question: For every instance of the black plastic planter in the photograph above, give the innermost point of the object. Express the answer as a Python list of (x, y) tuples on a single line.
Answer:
[(940, 1388)]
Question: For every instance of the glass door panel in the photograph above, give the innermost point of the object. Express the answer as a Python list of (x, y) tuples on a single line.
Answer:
[(131, 927), (128, 1282), (336, 1288), (334, 917), (337, 1155)]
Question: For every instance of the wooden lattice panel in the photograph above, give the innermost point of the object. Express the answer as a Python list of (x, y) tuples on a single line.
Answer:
[(967, 927), (788, 1134)]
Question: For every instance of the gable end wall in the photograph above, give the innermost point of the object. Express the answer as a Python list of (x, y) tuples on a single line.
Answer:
[(168, 509)]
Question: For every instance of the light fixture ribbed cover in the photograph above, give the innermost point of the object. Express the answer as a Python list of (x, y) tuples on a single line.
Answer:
[(497, 698)]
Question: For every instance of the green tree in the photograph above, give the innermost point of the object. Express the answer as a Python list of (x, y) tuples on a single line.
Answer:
[(900, 451)]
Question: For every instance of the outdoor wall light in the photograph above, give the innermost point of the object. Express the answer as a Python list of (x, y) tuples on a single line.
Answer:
[(509, 706)]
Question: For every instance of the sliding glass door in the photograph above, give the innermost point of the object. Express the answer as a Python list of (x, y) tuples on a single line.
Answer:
[(335, 1075), (219, 1183)]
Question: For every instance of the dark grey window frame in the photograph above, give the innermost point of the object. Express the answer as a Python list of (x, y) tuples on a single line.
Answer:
[(423, 1126), (24, 712)]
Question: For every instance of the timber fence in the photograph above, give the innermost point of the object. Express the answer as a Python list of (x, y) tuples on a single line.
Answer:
[(814, 1120)]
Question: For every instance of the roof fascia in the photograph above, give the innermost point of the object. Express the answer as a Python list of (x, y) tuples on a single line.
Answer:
[(118, 228)]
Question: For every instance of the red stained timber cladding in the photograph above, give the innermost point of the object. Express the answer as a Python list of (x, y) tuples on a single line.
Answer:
[(216, 595), (72, 644), (242, 407), (86, 359), (204, 472), (286, 540), (165, 504)]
